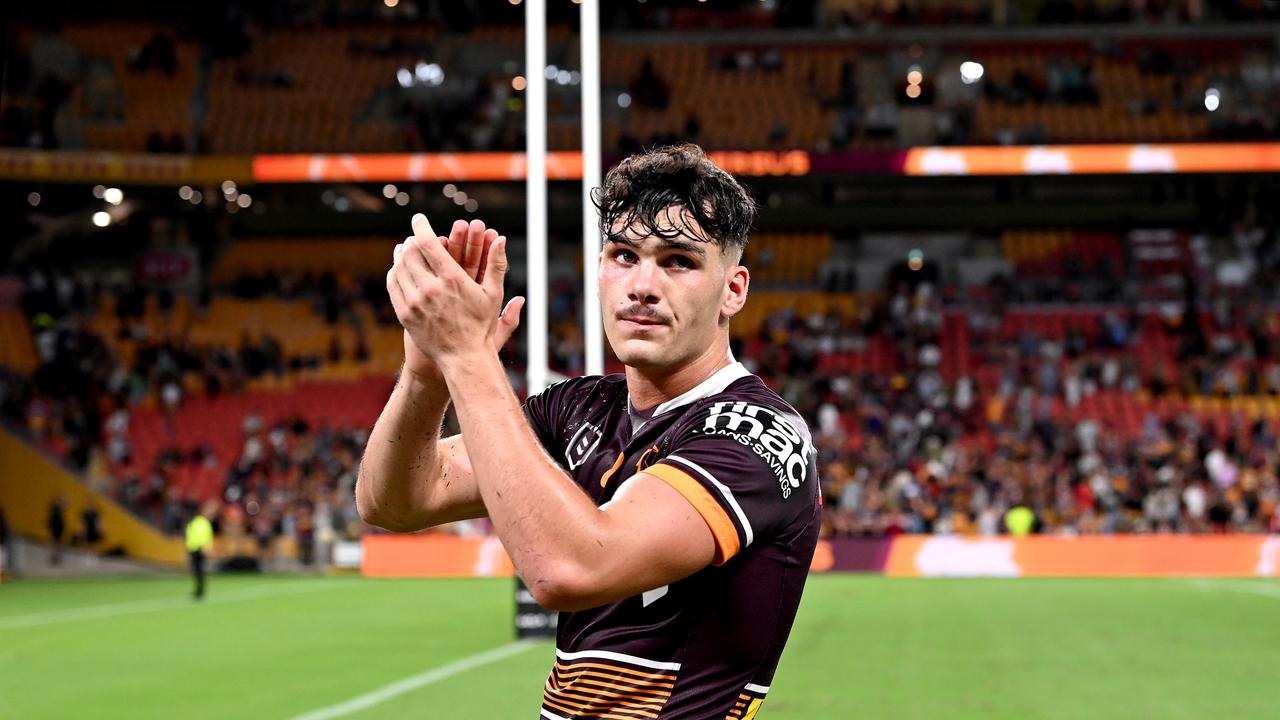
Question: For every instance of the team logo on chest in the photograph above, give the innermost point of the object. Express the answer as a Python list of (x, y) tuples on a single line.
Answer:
[(584, 443)]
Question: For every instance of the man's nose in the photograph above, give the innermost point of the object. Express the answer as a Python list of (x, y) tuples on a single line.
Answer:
[(643, 284)]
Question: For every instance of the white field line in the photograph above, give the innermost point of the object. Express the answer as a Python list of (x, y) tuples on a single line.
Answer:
[(409, 684), (1247, 588), (135, 607)]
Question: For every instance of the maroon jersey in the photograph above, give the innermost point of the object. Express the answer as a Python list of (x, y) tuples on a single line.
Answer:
[(706, 646)]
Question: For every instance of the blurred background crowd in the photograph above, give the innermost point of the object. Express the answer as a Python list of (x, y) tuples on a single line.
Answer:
[(957, 351)]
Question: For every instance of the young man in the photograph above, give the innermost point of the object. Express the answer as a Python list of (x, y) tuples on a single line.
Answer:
[(669, 513)]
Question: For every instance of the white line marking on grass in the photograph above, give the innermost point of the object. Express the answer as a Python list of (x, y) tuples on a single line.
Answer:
[(423, 679), (1247, 588), (134, 607)]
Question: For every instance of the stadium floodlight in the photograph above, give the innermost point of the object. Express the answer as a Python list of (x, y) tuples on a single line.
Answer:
[(971, 72), (1212, 99), (101, 218), (113, 195), (593, 331)]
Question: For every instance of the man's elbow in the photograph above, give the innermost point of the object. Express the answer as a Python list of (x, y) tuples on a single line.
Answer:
[(566, 590), (379, 515)]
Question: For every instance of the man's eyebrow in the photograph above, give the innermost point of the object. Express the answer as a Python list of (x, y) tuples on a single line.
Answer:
[(691, 247)]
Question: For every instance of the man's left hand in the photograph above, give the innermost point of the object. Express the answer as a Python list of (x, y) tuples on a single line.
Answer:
[(450, 313)]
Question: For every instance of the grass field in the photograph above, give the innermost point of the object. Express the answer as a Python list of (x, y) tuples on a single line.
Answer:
[(863, 647)]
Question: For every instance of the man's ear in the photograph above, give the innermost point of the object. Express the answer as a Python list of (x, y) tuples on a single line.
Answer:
[(735, 292)]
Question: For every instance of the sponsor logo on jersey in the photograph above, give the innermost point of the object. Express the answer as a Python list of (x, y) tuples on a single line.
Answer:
[(769, 434), (584, 442)]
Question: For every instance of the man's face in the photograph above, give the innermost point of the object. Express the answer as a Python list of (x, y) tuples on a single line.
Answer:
[(662, 299)]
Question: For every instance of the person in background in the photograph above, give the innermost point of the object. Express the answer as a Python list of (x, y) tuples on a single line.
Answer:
[(1020, 521), (57, 527), (91, 520), (4, 545), (199, 547)]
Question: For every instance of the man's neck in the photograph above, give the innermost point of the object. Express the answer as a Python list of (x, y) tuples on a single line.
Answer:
[(648, 389)]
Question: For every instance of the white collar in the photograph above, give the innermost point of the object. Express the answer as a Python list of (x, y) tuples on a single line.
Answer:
[(719, 380)]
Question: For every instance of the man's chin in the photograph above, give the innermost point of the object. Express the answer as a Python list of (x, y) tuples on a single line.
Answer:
[(642, 355)]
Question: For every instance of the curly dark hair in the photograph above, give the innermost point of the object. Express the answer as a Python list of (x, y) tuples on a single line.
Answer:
[(638, 191)]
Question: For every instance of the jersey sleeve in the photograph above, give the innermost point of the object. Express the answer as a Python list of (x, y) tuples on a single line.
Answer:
[(747, 468), (548, 413)]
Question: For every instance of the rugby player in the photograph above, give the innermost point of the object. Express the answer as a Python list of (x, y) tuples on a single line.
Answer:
[(669, 513)]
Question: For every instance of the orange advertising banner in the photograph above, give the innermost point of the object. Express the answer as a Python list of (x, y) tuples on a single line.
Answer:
[(434, 555), (412, 167), (441, 555), (1086, 556), (490, 166), (1094, 159)]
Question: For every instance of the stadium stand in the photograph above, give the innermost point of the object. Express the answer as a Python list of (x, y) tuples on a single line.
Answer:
[(918, 403), (390, 87)]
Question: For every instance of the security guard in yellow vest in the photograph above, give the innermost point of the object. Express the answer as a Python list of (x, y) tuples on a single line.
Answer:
[(199, 545)]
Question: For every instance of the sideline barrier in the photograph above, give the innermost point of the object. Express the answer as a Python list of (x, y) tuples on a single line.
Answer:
[(1086, 556), (434, 555), (440, 555)]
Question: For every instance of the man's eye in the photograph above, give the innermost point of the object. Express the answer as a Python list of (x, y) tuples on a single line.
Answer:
[(625, 256), (681, 261)]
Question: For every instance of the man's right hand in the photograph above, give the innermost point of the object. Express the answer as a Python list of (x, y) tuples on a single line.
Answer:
[(469, 245)]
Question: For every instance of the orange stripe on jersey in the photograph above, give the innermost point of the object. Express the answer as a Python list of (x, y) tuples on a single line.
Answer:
[(615, 668), (742, 711), (722, 528), (563, 675), (605, 690), (588, 700), (604, 479), (579, 710), (601, 681), (640, 698)]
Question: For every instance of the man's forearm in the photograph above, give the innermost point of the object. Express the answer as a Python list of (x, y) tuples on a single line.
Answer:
[(400, 459), (547, 524)]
